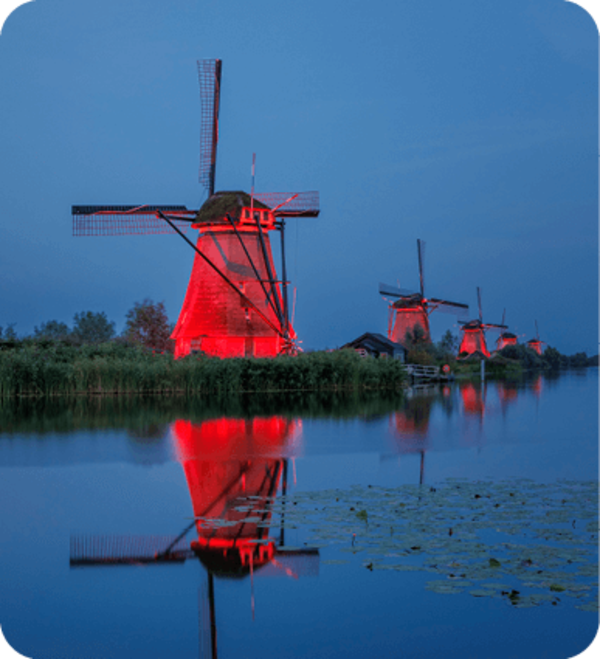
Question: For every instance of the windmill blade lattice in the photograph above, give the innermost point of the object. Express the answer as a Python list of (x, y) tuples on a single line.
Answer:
[(127, 220), (421, 253), (209, 77), (290, 204), (126, 549), (457, 309), (394, 291)]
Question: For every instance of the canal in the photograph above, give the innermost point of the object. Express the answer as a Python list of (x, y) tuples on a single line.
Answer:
[(456, 520)]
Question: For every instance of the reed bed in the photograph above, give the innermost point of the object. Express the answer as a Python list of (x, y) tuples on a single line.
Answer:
[(113, 369)]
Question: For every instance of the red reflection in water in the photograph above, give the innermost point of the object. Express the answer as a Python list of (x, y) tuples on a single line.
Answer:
[(473, 402), (507, 391), (225, 461)]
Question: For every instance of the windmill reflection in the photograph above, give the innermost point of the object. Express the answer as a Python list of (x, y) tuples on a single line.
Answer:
[(473, 399), (234, 469), (508, 392), (410, 425), (233, 472)]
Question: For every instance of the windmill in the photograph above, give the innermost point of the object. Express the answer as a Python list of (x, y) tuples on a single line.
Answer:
[(233, 488), (412, 309), (473, 340), (235, 303), (536, 344), (505, 338)]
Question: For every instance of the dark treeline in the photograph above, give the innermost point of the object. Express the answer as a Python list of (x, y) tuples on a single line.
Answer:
[(146, 324), (50, 368), (551, 358)]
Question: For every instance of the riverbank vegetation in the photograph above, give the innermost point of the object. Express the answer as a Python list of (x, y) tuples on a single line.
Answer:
[(49, 368), (511, 360)]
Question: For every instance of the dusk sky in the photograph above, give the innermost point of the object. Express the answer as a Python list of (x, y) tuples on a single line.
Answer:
[(472, 125)]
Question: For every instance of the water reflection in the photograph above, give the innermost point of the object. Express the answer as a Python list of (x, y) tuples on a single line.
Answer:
[(460, 415), (234, 469)]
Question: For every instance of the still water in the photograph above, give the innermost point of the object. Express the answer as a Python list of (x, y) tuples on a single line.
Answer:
[(455, 521)]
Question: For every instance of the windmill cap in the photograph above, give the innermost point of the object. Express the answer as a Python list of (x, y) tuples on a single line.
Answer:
[(472, 324), (413, 301), (226, 202)]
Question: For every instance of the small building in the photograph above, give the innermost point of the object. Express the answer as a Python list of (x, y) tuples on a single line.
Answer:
[(377, 345)]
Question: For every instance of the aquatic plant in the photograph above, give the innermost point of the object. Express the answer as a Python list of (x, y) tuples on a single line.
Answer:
[(525, 542)]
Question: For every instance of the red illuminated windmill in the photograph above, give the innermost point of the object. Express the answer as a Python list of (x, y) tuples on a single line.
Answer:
[(235, 304), (473, 340), (536, 344), (505, 338), (412, 309)]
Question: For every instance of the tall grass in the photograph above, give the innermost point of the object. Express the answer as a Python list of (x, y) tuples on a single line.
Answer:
[(54, 369)]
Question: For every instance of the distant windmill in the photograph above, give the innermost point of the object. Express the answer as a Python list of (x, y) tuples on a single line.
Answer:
[(235, 304), (505, 338), (536, 344), (474, 333), (412, 309)]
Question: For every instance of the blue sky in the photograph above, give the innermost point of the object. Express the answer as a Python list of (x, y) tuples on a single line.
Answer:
[(470, 125)]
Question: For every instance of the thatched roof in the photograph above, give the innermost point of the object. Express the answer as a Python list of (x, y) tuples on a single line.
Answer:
[(221, 203)]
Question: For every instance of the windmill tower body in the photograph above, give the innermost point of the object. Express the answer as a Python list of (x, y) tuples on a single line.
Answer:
[(535, 344), (506, 339), (406, 317), (473, 339), (214, 317)]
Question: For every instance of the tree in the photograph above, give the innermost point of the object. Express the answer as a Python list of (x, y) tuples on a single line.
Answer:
[(90, 327), (416, 337), (553, 358), (147, 325), (52, 330), (9, 333), (448, 344)]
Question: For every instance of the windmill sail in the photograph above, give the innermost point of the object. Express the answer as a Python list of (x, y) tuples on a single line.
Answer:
[(209, 77), (129, 220), (457, 309), (289, 204), (421, 253), (394, 291)]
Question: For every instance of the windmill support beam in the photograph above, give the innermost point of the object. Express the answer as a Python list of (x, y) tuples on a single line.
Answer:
[(225, 278), (284, 283), (251, 262), (270, 273)]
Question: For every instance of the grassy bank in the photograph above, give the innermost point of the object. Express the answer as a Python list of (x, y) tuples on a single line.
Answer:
[(55, 369)]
